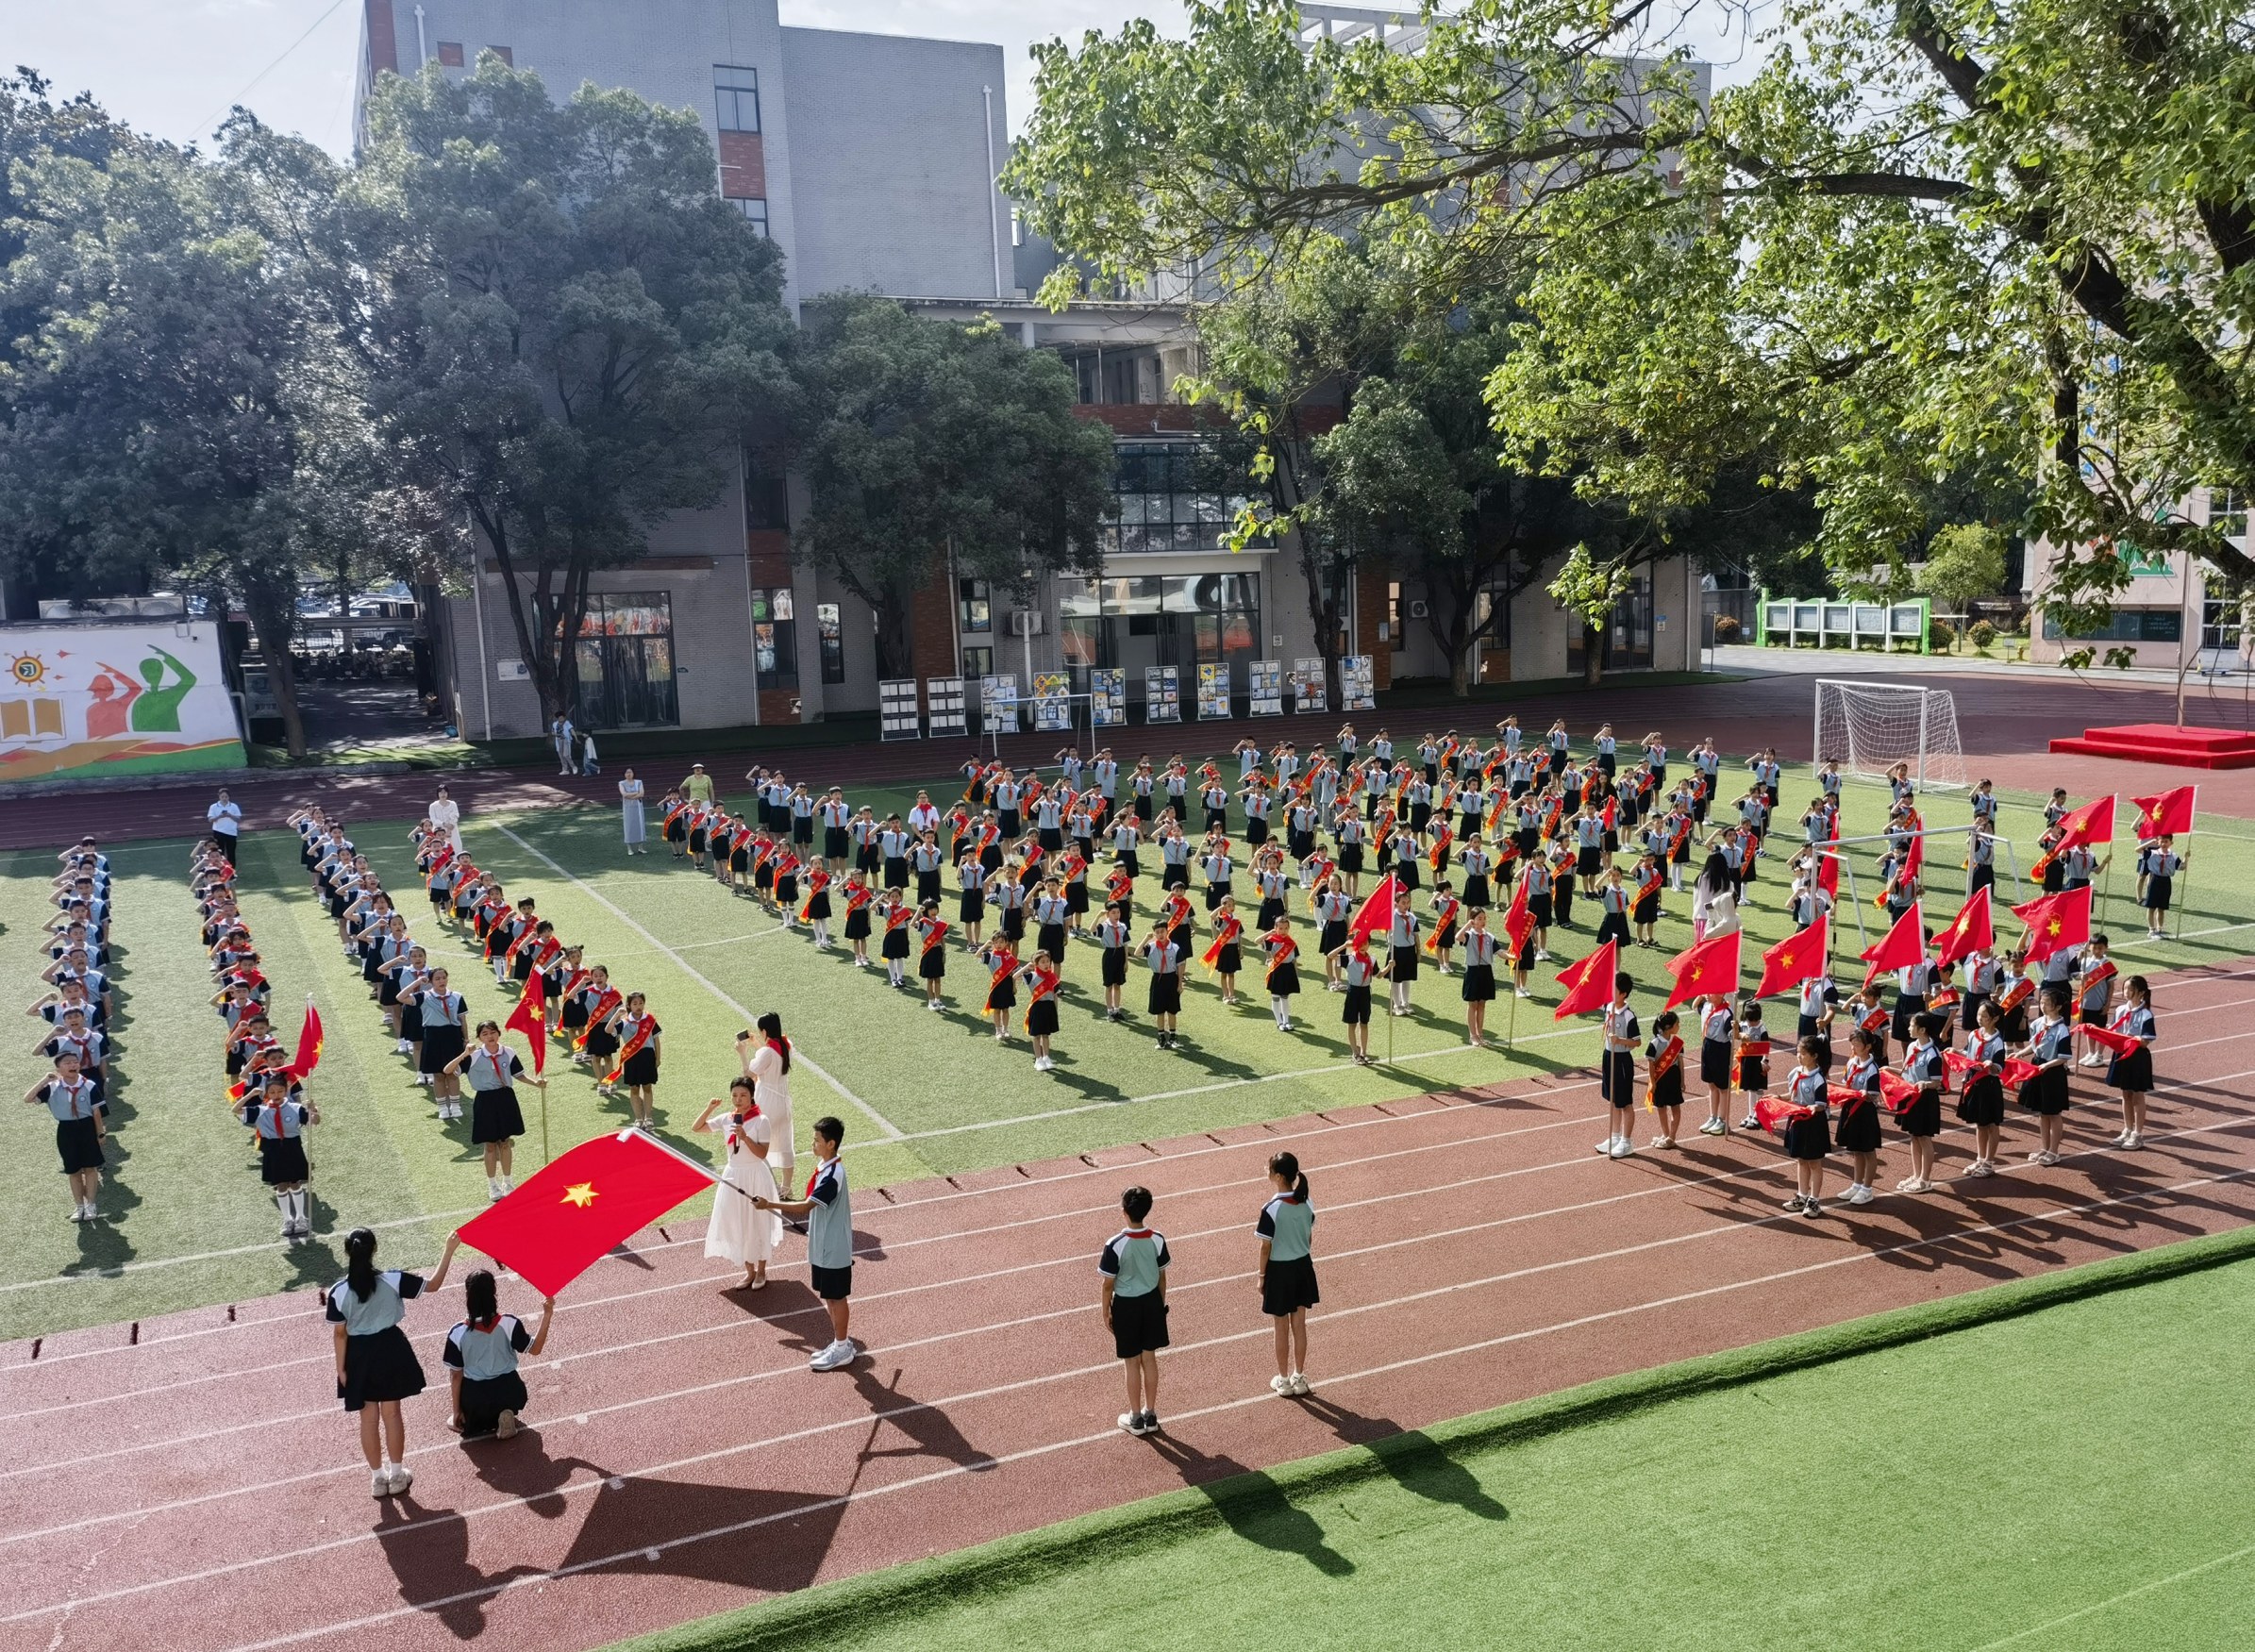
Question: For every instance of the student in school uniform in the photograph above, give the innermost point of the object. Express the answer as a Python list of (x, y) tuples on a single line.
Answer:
[(1113, 936), (1751, 1057), (1133, 1266), (1716, 1024), (1165, 954), (1225, 956), (1358, 971), (80, 1129), (1002, 985), (1286, 1276), (1808, 1133), (1043, 984), (1981, 1102), (641, 1044), (827, 1209), (496, 1121), (2131, 1073), (1921, 1118), (931, 956), (442, 1014), (481, 1353), (1479, 944), (1616, 1070), (1858, 1135), (741, 1231), (376, 1364), (2158, 867), (279, 1121), (2094, 974), (1282, 973), (1663, 1076)]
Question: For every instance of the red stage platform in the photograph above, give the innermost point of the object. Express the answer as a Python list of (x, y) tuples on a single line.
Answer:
[(2165, 743)]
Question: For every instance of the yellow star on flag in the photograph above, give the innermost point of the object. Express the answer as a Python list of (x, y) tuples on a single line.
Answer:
[(2054, 928), (1785, 959), (581, 1193)]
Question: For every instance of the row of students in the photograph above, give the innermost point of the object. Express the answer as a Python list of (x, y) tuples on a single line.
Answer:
[(75, 1011)]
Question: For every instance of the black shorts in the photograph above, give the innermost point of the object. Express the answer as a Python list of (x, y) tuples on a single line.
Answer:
[(1138, 1324), (832, 1284)]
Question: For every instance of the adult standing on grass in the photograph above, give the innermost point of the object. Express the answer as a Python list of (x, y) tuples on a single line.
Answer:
[(225, 823), (445, 816), (829, 1216), (697, 786), (630, 814), (376, 1364)]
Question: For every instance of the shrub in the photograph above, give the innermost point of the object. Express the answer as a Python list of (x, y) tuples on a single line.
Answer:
[(1727, 629), (1940, 634), (1982, 634)]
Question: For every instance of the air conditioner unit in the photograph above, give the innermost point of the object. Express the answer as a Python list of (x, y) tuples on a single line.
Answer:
[(1418, 607), (1026, 621)]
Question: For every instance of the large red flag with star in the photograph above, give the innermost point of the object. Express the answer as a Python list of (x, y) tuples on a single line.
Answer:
[(2056, 922), (2168, 814), (1705, 966), (1797, 958), (2094, 823), (1971, 930), (560, 1221), (1903, 946), (1590, 983), (1377, 912), (311, 1037)]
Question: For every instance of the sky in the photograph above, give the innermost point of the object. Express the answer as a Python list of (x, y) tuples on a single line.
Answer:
[(172, 68)]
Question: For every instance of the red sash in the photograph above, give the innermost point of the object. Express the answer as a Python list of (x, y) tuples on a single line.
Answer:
[(899, 916), (2015, 994), (1281, 950), (937, 934), (1229, 931), (858, 895), (1044, 985), (1003, 971), (817, 882), (632, 1048), (598, 1014), (1664, 1062)]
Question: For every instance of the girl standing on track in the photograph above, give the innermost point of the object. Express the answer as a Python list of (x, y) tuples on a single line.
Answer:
[(2132, 1073), (1715, 1025), (495, 1118), (481, 1357), (1616, 1072), (740, 1231), (1982, 1103), (1808, 1137), (376, 1364), (1287, 1272), (1663, 1076), (1921, 1120), (1858, 1134), (768, 1067), (2052, 1047)]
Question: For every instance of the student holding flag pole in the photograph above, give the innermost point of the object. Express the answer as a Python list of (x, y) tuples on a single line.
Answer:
[(2162, 820), (2129, 1038), (1597, 986)]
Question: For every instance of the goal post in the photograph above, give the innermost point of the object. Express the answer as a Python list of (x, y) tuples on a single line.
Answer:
[(1867, 728)]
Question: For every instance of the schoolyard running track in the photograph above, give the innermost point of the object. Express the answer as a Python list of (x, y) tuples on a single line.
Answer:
[(188, 1483)]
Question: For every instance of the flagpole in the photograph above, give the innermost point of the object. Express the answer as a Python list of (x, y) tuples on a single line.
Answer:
[(2188, 834), (1510, 1034), (543, 1090)]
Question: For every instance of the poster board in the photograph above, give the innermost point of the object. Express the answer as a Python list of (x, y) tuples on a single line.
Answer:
[(896, 713), (1052, 701), (1108, 697), (1214, 690), (944, 706), (998, 704), (1265, 688), (1358, 683), (97, 700), (1162, 694), (1308, 691)]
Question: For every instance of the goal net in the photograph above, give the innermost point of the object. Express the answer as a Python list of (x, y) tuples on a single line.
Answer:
[(1868, 727)]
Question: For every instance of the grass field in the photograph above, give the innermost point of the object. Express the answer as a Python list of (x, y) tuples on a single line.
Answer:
[(186, 1223), (2042, 1482)]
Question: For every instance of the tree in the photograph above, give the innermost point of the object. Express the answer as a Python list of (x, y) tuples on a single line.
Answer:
[(1963, 563), (925, 441), (566, 334), (1926, 236)]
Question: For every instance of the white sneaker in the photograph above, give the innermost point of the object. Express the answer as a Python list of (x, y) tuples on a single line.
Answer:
[(380, 1484), (1280, 1384), (506, 1425), (1623, 1147), (1605, 1148), (1521, 993), (1857, 1194), (401, 1476), (1542, 955), (834, 1358), (2133, 1142), (1299, 1386), (1663, 1142)]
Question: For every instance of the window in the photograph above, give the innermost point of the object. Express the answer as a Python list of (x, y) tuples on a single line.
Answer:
[(1170, 496), (736, 90), (974, 611), (1017, 227), (1397, 632), (775, 639), (2222, 620), (766, 503), (2228, 512), (2126, 625), (978, 662), (505, 54), (624, 660), (755, 214), (1144, 621), (450, 54), (831, 631)]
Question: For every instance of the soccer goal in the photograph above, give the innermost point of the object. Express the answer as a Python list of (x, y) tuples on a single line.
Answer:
[(1868, 727)]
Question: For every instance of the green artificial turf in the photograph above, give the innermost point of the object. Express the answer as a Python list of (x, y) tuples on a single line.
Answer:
[(187, 1223), (2063, 1471)]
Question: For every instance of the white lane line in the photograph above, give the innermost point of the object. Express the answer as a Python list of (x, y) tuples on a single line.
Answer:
[(203, 1256), (2098, 1606), (2053, 1215), (884, 1125)]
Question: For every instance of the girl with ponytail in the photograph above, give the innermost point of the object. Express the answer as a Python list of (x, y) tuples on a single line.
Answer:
[(766, 1062), (376, 1365), (1287, 1272)]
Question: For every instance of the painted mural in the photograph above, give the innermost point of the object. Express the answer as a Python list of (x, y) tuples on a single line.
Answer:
[(99, 700)]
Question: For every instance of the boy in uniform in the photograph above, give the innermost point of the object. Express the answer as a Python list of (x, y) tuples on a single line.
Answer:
[(829, 1216)]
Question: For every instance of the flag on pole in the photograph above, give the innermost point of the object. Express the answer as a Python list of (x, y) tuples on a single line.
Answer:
[(1377, 912), (530, 1017), (309, 1041), (1902, 947), (2094, 823), (2168, 814), (2056, 922), (1518, 923), (1706, 966), (563, 1217), (1914, 856), (1590, 983), (1827, 874), (1797, 958), (1972, 931)]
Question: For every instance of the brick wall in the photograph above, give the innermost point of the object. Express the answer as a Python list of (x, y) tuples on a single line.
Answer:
[(383, 39), (743, 167), (931, 627)]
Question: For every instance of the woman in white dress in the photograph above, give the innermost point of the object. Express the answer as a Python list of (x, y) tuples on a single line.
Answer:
[(740, 1231), (768, 1063), (445, 817), (631, 813)]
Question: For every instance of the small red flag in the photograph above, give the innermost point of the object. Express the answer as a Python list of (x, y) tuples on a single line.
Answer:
[(1827, 873), (1774, 1113), (2122, 1043), (1897, 1093), (1590, 983), (2017, 1072), (556, 1224), (1904, 945), (530, 1017), (2168, 815), (1706, 966), (1971, 930), (1797, 958), (1518, 923), (310, 1038), (1914, 856), (1377, 912), (2094, 823), (2056, 922)]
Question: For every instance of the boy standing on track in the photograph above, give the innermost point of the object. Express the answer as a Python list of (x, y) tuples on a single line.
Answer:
[(1134, 1264), (829, 1216)]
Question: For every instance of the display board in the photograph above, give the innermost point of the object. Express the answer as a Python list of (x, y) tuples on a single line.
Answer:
[(1265, 688), (1358, 683), (1052, 701), (1214, 690), (998, 704), (89, 700), (944, 706), (1108, 697), (896, 712), (1162, 694), (1308, 691)]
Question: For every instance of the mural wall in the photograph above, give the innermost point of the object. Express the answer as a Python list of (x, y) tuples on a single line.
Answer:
[(93, 700)]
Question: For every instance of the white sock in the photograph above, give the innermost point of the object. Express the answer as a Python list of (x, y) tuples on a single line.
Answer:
[(281, 1203)]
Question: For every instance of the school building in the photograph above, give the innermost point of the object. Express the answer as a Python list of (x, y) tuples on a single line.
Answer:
[(873, 161), (2173, 613)]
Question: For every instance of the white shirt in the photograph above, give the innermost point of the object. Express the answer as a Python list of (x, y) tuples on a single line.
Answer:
[(771, 1086), (224, 817), (924, 817), (446, 816)]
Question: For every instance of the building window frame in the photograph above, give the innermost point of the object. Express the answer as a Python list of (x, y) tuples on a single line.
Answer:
[(736, 97), (774, 637), (624, 663), (974, 608), (830, 631)]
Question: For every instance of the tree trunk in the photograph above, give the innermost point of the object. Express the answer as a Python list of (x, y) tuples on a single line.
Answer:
[(896, 654), (1323, 611), (1593, 654), (274, 626)]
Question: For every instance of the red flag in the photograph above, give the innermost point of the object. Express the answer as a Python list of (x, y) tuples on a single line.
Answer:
[(1377, 912), (1590, 983), (1706, 966), (2122, 1043), (310, 1040), (1797, 958), (2018, 1073), (1897, 1093), (1914, 856), (2094, 823), (559, 1221), (1518, 923), (2056, 922), (2168, 815), (1904, 945), (1971, 930), (1828, 875), (1774, 1113), (530, 1017)]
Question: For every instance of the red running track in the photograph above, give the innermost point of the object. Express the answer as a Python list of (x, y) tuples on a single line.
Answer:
[(190, 1483)]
